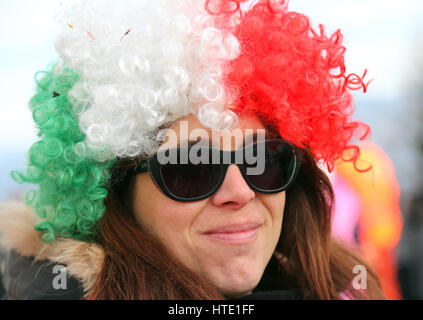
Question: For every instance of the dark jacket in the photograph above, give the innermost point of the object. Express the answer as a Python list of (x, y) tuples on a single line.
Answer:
[(27, 279)]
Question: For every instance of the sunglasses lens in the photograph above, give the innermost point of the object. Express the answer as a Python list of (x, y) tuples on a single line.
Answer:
[(279, 166), (191, 180), (197, 176)]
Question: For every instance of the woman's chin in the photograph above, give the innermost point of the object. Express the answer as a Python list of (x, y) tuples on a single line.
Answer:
[(235, 295), (237, 290), (236, 283)]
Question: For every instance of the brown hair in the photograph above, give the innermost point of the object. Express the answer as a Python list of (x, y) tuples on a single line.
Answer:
[(307, 258)]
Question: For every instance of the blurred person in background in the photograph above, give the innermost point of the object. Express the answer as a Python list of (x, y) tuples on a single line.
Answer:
[(410, 251), (367, 213), (411, 244)]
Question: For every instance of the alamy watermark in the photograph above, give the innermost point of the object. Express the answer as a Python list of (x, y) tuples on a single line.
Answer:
[(59, 281), (360, 280), (199, 152)]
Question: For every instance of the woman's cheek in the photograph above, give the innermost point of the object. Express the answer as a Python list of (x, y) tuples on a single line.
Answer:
[(161, 216), (275, 206)]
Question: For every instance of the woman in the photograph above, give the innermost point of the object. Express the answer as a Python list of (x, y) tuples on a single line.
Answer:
[(138, 82)]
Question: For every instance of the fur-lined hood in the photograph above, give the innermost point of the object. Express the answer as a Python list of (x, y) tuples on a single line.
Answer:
[(83, 260)]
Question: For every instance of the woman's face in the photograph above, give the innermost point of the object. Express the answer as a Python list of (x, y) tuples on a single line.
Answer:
[(203, 235)]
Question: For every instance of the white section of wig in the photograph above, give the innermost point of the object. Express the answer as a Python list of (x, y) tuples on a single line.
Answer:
[(143, 64)]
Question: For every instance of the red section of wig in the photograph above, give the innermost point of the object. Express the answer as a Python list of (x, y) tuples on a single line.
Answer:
[(294, 78)]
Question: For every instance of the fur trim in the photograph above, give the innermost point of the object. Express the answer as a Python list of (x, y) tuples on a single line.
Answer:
[(83, 260), (17, 229)]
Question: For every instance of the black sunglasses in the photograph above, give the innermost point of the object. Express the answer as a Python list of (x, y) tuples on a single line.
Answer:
[(186, 181)]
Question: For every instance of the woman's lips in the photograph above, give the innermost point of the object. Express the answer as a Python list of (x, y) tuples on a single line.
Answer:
[(234, 234)]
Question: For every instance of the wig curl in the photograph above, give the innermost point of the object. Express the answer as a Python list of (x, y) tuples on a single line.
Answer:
[(295, 78), (129, 67), (144, 63), (72, 183)]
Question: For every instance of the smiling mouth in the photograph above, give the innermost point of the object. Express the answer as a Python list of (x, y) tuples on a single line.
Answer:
[(241, 234)]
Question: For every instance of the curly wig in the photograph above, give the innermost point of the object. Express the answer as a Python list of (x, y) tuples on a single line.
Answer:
[(129, 67)]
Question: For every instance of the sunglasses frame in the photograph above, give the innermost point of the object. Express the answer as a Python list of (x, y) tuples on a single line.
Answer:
[(152, 166)]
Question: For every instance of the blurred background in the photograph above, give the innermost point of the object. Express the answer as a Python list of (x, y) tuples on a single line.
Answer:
[(383, 36)]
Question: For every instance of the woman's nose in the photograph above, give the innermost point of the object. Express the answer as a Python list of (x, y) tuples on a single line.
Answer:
[(234, 191)]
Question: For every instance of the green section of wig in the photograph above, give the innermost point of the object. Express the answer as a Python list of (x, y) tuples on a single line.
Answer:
[(71, 182)]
